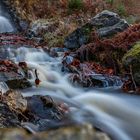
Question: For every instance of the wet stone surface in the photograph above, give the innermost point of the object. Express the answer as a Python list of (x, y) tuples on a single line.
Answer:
[(7, 117), (37, 113)]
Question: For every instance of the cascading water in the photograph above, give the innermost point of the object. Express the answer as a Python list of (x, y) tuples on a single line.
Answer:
[(5, 25), (117, 114)]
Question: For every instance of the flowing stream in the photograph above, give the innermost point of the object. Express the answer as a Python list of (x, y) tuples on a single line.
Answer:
[(5, 25), (114, 112)]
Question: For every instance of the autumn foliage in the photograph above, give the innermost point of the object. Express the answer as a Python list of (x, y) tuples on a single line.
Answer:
[(109, 52), (8, 66)]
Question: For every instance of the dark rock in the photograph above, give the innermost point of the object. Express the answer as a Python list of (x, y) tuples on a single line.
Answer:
[(43, 114), (105, 19), (42, 107), (106, 80), (114, 29), (13, 75), (78, 38), (95, 80), (105, 23), (18, 83), (7, 117)]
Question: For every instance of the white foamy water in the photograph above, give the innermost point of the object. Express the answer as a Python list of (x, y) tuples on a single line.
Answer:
[(5, 25), (118, 114), (3, 87)]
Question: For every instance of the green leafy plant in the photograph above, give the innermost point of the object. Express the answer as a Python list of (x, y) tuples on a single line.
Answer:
[(121, 10), (110, 1), (75, 4)]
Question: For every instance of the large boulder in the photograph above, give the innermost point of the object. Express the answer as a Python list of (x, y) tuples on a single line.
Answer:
[(105, 23), (132, 58)]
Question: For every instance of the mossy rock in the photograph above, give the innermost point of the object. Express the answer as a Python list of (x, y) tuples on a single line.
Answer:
[(132, 58)]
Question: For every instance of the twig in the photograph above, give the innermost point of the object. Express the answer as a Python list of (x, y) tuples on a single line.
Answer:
[(133, 80)]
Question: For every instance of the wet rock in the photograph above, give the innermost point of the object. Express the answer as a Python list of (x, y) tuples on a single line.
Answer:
[(82, 132), (90, 74), (7, 117), (13, 75), (43, 107), (78, 38), (39, 111), (18, 83), (105, 23), (15, 101), (68, 60), (107, 80), (9, 70), (70, 64), (132, 59), (95, 80), (111, 30), (105, 19), (43, 114)]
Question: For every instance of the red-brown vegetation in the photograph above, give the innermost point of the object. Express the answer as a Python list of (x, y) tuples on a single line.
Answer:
[(109, 52), (8, 66)]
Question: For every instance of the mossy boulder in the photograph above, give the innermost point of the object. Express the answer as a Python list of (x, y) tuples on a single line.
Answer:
[(132, 58)]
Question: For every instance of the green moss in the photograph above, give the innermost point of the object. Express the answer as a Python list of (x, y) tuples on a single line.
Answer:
[(132, 58), (132, 55)]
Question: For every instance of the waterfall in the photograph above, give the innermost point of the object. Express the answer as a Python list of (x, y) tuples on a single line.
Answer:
[(112, 113), (5, 25)]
